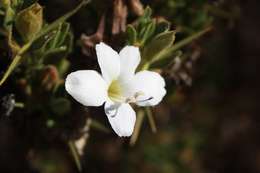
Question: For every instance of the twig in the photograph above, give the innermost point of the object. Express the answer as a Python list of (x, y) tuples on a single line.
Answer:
[(75, 155), (138, 126), (151, 119)]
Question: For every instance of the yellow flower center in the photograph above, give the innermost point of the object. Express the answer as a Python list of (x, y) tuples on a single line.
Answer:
[(115, 91)]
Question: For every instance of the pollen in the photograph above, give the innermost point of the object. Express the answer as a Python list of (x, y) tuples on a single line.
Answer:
[(115, 91)]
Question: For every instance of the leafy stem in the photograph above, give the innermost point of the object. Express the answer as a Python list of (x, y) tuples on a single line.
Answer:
[(169, 51), (15, 61), (25, 47)]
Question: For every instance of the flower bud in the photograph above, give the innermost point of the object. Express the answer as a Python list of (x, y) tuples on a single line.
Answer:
[(50, 77), (29, 21)]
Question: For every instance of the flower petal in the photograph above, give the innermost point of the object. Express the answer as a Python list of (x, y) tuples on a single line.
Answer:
[(149, 86), (109, 62), (121, 117), (129, 60), (87, 87)]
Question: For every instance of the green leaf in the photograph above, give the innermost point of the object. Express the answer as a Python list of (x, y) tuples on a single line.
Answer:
[(171, 50), (181, 43), (64, 32), (157, 45), (162, 26), (131, 34), (9, 18), (147, 13), (58, 41), (63, 66), (145, 19), (18, 3), (60, 20), (148, 32)]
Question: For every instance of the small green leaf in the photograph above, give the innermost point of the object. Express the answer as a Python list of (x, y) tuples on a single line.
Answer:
[(145, 19), (29, 21), (58, 41), (65, 30), (56, 36), (182, 43), (131, 34), (148, 32), (171, 50), (157, 45), (63, 66), (162, 26), (18, 3), (147, 12), (9, 18)]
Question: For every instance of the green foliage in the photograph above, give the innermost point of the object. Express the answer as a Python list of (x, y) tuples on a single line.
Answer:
[(143, 29), (40, 34), (9, 15), (158, 44), (161, 27), (58, 42), (10, 8), (155, 39)]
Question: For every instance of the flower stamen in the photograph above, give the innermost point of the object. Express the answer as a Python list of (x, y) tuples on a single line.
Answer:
[(136, 95), (150, 98)]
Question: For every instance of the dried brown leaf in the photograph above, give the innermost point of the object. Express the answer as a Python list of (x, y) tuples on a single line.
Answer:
[(88, 42), (119, 17)]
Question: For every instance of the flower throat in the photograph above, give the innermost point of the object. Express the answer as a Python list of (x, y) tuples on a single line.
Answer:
[(115, 91)]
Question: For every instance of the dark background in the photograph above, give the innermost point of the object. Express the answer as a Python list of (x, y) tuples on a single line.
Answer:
[(212, 126)]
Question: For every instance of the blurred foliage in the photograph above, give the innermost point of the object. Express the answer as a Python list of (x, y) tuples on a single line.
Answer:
[(190, 15)]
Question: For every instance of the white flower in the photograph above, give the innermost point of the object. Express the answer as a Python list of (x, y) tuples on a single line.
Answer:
[(118, 86)]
